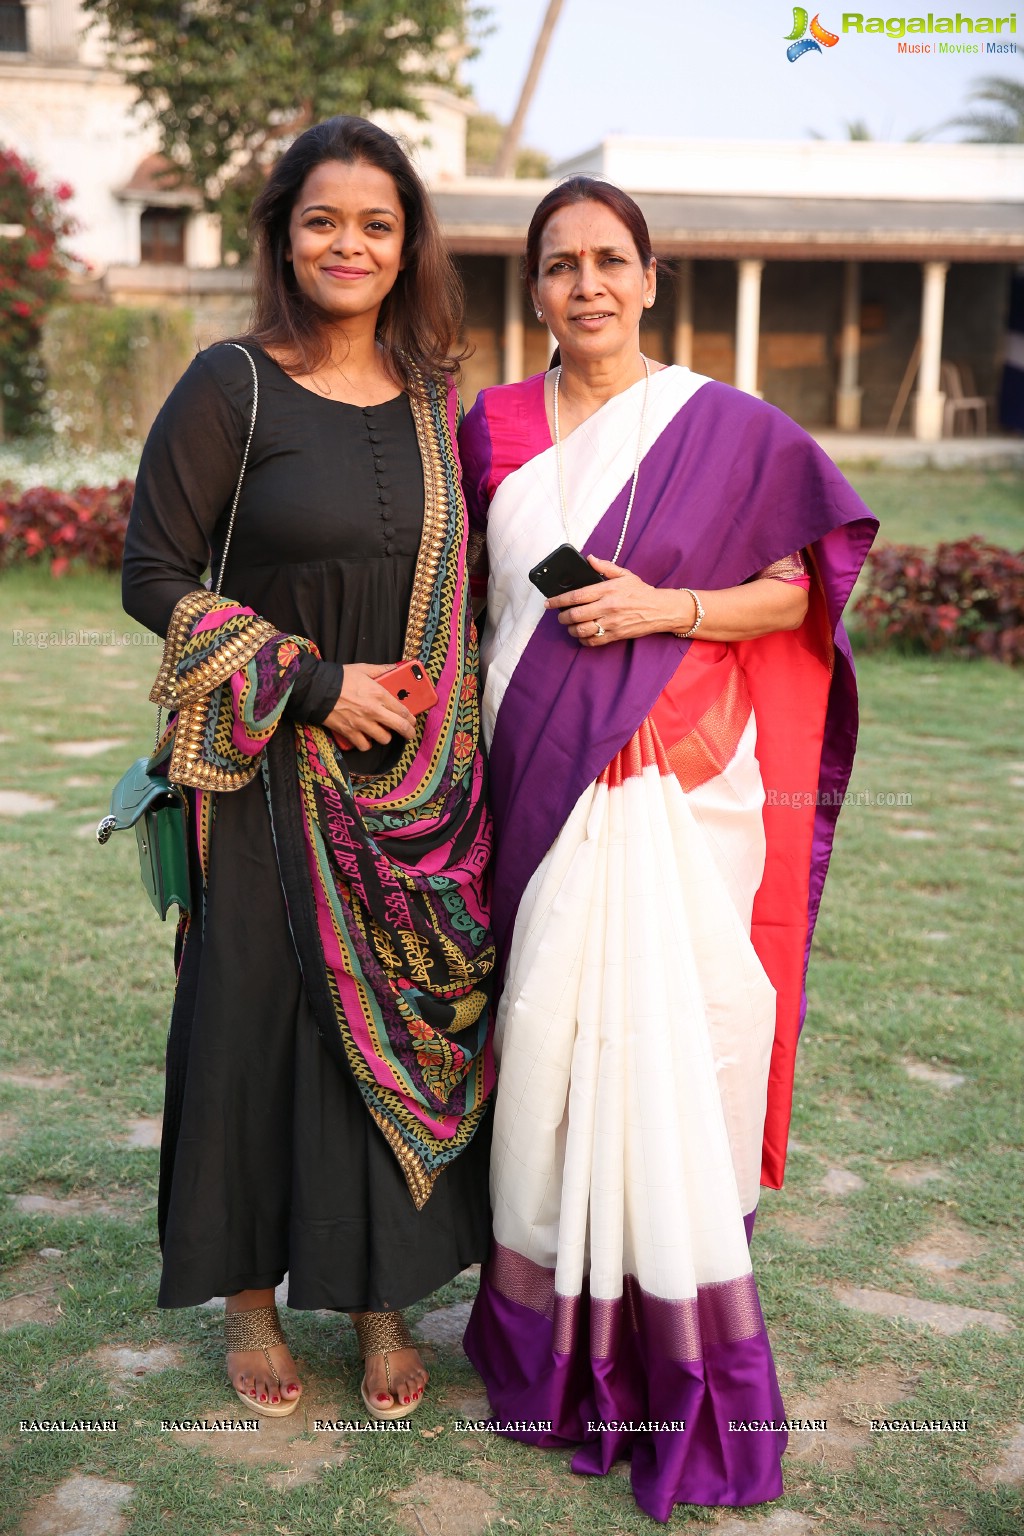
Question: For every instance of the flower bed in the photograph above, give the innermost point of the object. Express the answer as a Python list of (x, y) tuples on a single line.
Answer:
[(86, 525), (965, 598)]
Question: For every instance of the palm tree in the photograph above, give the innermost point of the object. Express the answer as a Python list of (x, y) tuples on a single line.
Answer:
[(1004, 125)]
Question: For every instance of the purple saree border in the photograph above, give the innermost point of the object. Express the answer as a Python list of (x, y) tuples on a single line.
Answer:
[(548, 1387), (730, 486)]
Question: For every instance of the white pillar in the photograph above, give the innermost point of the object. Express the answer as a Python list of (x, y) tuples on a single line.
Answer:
[(748, 320), (682, 341), (515, 346), (930, 400), (848, 395)]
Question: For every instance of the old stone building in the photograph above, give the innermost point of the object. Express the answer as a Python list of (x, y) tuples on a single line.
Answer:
[(861, 286)]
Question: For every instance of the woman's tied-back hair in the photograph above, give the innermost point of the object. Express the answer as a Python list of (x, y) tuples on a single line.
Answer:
[(419, 322), (586, 189)]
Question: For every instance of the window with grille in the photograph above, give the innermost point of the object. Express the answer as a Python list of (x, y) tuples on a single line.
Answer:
[(13, 32), (163, 235)]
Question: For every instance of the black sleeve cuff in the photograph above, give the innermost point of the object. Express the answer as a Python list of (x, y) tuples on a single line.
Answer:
[(315, 690)]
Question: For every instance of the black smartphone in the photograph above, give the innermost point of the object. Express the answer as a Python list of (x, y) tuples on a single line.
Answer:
[(563, 571)]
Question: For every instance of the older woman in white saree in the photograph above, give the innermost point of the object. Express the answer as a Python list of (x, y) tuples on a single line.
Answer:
[(668, 750)]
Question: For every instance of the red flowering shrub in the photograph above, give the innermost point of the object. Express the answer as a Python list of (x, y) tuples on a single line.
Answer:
[(965, 598), (87, 524), (32, 271)]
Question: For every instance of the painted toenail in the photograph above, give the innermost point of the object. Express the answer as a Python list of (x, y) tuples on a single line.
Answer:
[(405, 1399), (263, 1397), (382, 1397)]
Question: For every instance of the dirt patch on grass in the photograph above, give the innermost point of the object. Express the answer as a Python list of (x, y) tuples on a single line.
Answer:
[(126, 1364), (46, 1080), (817, 1231), (35, 1204), (945, 1249), (292, 1446), (436, 1505), (917, 1175), (81, 1506), (848, 1405), (32, 1295)]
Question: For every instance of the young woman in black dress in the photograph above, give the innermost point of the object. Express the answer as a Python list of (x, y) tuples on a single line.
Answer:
[(308, 1126)]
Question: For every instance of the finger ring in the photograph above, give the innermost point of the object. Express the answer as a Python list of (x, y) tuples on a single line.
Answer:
[(599, 631)]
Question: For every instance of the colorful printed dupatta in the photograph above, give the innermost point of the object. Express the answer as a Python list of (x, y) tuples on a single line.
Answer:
[(640, 1018), (384, 877)]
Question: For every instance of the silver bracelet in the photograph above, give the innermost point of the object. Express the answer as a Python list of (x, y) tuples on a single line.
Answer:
[(686, 634)]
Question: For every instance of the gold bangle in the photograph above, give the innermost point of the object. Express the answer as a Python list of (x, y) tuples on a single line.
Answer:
[(698, 607)]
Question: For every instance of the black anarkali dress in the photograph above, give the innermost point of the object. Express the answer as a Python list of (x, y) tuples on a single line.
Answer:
[(270, 1161)]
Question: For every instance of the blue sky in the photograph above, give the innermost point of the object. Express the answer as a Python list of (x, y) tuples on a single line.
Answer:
[(718, 69)]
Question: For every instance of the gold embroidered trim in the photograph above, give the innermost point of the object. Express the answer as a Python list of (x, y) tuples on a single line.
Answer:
[(435, 522), (187, 765), (786, 569), (189, 608), (705, 750), (235, 652), (420, 1182)]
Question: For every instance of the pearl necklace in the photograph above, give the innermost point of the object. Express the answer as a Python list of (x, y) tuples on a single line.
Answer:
[(636, 466)]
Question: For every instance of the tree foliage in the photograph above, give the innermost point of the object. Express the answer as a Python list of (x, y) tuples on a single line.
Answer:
[(33, 268), (231, 82), (484, 133), (1004, 124)]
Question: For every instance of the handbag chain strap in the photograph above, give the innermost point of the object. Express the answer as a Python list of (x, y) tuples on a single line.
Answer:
[(238, 491)]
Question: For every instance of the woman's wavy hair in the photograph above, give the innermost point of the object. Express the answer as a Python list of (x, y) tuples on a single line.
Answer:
[(586, 189), (420, 318)]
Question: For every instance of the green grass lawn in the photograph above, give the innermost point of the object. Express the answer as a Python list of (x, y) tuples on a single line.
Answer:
[(933, 506), (917, 963)]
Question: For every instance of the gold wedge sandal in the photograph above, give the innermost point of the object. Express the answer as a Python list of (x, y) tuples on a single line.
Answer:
[(378, 1333), (259, 1328)]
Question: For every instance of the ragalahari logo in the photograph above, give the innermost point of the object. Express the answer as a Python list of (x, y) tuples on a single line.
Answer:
[(799, 44)]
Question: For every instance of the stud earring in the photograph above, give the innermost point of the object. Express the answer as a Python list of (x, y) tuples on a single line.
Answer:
[(540, 314), (649, 300)]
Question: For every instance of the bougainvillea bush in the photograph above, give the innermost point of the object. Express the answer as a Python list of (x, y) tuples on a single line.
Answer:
[(33, 268), (87, 525), (965, 598)]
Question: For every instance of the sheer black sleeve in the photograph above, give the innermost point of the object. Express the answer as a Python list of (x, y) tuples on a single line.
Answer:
[(183, 493)]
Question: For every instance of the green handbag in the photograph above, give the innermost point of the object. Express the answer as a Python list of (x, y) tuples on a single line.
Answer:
[(144, 799)]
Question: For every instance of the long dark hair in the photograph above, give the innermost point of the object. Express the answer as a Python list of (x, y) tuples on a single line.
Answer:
[(419, 320), (586, 189)]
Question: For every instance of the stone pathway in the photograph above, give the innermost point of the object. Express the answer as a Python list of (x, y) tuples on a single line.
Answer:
[(446, 1326), (88, 748), (781, 1522), (446, 1506), (1010, 1466), (80, 1506), (942, 1316), (45, 1205), (935, 1077), (15, 802), (144, 1132)]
